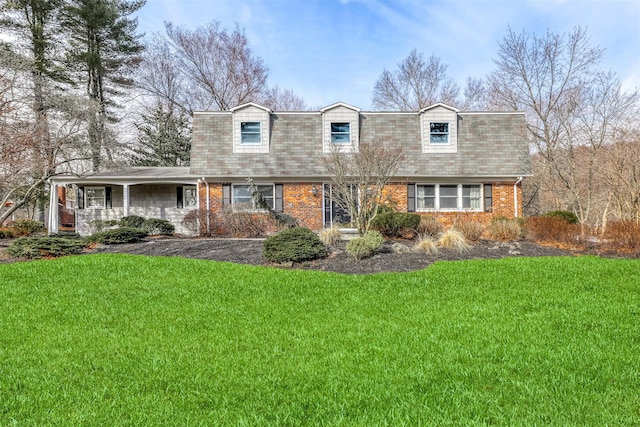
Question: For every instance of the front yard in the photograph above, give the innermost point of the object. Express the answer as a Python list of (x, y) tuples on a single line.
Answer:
[(115, 339)]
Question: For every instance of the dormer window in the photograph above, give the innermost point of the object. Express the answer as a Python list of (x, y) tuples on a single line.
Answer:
[(250, 133), (439, 133), (340, 133)]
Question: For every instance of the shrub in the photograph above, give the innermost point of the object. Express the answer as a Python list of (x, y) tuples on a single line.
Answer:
[(427, 245), (504, 229), (118, 235), (131, 221), (196, 221), (623, 236), (98, 225), (6, 234), (453, 239), (568, 216), (365, 246), (330, 236), (395, 224), (156, 226), (552, 229), (26, 227), (471, 230), (242, 222), (293, 245), (429, 226), (40, 247)]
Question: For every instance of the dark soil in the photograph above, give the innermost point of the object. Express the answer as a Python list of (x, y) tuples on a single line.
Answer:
[(249, 251)]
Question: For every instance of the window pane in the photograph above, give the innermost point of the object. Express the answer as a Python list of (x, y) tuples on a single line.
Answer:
[(250, 132), (190, 198), (426, 202), (448, 191), (439, 127), (471, 197), (448, 202), (426, 190), (250, 126), (340, 127), (439, 133), (341, 133), (95, 197)]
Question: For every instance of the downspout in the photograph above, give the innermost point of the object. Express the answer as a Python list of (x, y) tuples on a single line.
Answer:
[(515, 196), (208, 204)]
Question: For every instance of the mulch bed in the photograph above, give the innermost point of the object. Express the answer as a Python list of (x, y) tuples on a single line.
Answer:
[(249, 251)]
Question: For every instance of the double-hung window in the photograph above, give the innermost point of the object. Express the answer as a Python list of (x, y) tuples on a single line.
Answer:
[(448, 197), (340, 133), (250, 133), (95, 197), (241, 196), (439, 133)]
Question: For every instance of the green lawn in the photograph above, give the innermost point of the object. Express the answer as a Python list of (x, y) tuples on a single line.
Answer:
[(130, 340)]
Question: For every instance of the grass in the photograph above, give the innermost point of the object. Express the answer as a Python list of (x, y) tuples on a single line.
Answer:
[(130, 340)]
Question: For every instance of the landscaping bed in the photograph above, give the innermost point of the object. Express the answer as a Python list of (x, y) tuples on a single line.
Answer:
[(249, 251)]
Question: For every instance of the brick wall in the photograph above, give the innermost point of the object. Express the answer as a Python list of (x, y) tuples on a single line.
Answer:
[(300, 202)]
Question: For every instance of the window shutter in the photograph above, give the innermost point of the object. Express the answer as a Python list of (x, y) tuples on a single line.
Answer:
[(411, 197), (279, 202), (488, 198), (179, 197), (107, 198), (80, 197), (226, 194)]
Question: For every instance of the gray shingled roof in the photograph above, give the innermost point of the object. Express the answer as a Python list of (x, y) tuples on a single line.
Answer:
[(489, 145)]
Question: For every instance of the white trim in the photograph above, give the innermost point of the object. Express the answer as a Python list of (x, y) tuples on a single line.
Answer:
[(104, 196), (439, 104), (250, 104), (340, 104), (459, 197)]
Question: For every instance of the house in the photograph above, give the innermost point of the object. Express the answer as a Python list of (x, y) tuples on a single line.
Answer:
[(455, 162)]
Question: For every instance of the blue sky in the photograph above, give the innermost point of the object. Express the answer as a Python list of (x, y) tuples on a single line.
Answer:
[(334, 50)]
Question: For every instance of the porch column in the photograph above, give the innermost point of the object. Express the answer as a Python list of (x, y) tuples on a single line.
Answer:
[(52, 223), (125, 199)]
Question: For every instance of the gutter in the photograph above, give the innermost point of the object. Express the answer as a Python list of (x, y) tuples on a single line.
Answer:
[(515, 196)]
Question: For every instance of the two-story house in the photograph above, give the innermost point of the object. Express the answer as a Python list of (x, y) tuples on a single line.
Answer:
[(455, 161)]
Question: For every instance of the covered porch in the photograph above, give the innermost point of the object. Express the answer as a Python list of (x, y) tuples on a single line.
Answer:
[(150, 192)]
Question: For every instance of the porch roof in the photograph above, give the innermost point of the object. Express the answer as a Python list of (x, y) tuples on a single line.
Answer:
[(132, 175)]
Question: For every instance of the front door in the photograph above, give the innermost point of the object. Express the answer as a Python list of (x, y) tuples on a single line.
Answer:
[(333, 213)]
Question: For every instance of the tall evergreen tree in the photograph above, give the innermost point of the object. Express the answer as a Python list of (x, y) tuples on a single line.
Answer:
[(164, 138), (105, 49)]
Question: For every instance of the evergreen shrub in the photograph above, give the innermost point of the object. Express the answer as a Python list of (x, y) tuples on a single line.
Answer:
[(41, 247), (365, 246), (395, 224), (293, 245), (155, 226), (118, 235)]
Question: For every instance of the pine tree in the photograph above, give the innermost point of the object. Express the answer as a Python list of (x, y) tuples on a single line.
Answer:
[(105, 49), (164, 138)]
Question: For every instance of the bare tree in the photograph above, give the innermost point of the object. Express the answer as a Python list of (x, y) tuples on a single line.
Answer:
[(359, 177), (218, 66), (550, 78), (414, 85), (280, 99)]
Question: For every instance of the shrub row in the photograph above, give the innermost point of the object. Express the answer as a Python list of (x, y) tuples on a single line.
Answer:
[(153, 226)]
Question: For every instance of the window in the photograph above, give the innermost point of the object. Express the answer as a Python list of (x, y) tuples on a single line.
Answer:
[(439, 133), (448, 197), (250, 133), (95, 197), (242, 195), (187, 197), (341, 133)]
